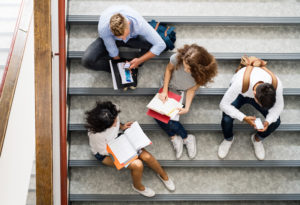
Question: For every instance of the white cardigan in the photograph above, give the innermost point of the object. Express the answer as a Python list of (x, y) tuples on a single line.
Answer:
[(235, 90)]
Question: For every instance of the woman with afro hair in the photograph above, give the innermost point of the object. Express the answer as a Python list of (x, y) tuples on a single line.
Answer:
[(103, 125)]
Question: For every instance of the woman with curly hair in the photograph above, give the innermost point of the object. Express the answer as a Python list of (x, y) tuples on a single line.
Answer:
[(103, 125), (191, 67)]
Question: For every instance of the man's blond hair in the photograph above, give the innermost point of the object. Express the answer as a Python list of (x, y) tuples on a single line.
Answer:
[(117, 24)]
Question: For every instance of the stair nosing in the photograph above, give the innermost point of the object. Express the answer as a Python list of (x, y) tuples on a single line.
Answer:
[(87, 91), (217, 55), (203, 163), (184, 197), (216, 20), (197, 127)]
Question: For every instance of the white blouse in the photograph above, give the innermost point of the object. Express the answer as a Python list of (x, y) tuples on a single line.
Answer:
[(99, 140)]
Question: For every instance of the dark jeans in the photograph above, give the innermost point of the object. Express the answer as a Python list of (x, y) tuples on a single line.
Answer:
[(173, 128), (96, 56), (227, 121)]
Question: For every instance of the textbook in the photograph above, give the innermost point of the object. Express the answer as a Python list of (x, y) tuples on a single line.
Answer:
[(121, 75), (164, 111), (124, 149)]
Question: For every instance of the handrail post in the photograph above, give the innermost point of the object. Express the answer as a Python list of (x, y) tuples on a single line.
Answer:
[(62, 102)]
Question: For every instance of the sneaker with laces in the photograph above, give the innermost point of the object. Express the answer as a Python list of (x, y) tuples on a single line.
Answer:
[(147, 192), (169, 184), (178, 145), (224, 148), (190, 143), (258, 148)]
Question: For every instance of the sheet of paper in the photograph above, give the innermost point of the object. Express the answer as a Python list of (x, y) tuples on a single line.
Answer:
[(137, 137), (122, 149), (113, 76)]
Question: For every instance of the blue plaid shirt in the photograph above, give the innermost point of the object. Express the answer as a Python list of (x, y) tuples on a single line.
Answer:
[(138, 26)]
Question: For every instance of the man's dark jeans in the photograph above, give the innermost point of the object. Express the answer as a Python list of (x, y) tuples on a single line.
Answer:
[(227, 121), (173, 128), (96, 56)]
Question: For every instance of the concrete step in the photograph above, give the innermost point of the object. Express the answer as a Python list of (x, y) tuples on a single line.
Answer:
[(7, 25), (151, 74), (191, 8), (31, 198), (192, 203), (278, 146), (204, 109), (189, 181), (200, 20), (3, 56), (278, 39)]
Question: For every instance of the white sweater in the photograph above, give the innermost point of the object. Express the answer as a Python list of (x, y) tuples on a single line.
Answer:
[(235, 90), (99, 140)]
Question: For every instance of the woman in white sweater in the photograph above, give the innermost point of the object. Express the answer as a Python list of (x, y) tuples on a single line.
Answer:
[(103, 125)]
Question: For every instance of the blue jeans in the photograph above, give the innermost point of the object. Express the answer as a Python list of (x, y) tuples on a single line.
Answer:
[(227, 121), (173, 128)]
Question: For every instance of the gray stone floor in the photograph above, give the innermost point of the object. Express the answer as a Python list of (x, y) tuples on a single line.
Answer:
[(278, 146), (108, 180), (278, 39), (203, 110), (192, 7), (152, 72), (193, 203)]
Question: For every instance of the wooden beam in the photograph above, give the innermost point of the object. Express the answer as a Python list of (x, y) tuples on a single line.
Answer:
[(12, 70), (43, 101)]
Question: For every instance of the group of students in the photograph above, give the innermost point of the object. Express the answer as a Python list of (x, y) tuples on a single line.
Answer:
[(189, 68)]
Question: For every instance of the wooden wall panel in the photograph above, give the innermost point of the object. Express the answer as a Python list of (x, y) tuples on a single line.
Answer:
[(43, 100)]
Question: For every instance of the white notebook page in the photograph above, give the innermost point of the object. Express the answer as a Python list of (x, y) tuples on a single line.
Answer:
[(122, 149), (137, 137)]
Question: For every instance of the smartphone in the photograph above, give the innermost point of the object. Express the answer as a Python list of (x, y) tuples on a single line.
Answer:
[(127, 66), (127, 72), (258, 124)]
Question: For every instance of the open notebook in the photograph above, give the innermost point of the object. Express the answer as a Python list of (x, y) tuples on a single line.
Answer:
[(121, 76), (124, 148), (169, 108), (157, 108)]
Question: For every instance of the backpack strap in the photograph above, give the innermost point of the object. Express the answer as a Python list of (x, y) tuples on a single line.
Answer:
[(274, 79), (246, 79), (249, 67), (156, 27)]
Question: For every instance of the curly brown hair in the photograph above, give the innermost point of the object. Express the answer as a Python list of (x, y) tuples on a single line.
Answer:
[(203, 65)]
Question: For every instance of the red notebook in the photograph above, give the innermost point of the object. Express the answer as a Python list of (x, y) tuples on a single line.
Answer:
[(159, 116)]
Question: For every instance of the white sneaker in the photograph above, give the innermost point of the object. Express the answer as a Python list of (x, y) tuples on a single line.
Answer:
[(258, 148), (190, 143), (169, 184), (178, 145), (147, 192), (224, 148)]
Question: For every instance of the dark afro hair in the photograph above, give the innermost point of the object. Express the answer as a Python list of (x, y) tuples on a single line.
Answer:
[(266, 95), (101, 117)]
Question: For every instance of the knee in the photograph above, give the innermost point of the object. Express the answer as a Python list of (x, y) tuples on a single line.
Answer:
[(226, 119), (277, 123), (146, 157), (137, 165), (86, 60)]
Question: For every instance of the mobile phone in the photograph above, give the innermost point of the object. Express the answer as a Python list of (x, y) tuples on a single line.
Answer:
[(258, 124), (127, 66), (128, 75)]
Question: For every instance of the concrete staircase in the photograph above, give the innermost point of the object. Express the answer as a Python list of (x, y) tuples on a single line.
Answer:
[(228, 29), (8, 16)]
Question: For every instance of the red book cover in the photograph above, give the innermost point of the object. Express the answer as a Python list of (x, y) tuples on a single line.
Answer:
[(159, 116)]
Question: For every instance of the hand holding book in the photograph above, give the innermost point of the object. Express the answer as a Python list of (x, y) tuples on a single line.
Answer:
[(163, 96)]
